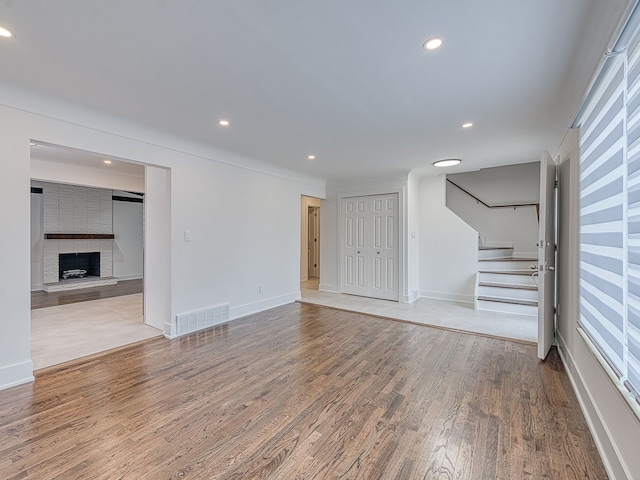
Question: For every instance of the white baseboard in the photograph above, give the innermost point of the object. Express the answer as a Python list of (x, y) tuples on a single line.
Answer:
[(592, 414), (411, 298), (240, 311), (37, 288), (16, 374), (452, 297), (326, 287)]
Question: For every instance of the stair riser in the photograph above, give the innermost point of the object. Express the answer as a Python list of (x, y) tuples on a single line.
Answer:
[(499, 253), (507, 265), (508, 308), (511, 293), (506, 278)]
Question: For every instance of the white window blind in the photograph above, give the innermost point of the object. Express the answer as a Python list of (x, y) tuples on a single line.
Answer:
[(632, 380), (610, 216), (602, 200)]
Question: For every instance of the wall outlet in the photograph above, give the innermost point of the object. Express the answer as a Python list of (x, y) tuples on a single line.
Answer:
[(187, 235)]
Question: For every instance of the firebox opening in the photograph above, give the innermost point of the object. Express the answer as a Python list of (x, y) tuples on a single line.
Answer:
[(79, 265)]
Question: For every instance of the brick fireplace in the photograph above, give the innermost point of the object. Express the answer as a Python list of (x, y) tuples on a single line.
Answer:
[(77, 220)]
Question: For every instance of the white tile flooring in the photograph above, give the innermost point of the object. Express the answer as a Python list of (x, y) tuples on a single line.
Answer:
[(439, 313), (68, 332)]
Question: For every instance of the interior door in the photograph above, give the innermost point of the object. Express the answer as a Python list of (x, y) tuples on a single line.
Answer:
[(384, 251), (354, 211), (546, 256), (370, 246), (313, 237)]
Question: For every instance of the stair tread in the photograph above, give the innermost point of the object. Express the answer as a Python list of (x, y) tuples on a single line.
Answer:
[(508, 285), (531, 303), (508, 259), (511, 272), (484, 247)]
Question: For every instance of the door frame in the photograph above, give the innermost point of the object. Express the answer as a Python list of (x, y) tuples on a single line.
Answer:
[(402, 237)]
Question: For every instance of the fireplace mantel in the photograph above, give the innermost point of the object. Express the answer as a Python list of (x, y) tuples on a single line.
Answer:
[(79, 236)]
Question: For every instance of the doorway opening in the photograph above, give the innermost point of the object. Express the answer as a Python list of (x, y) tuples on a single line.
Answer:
[(87, 250), (310, 243)]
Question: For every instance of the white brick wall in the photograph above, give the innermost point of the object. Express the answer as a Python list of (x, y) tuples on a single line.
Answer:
[(76, 209)]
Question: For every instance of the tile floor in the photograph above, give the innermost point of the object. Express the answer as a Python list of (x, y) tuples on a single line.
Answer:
[(67, 332), (439, 313)]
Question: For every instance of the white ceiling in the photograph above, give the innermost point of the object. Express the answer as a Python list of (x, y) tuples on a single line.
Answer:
[(346, 80)]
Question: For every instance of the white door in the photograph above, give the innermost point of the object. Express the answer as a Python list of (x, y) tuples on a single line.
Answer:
[(313, 239), (370, 246), (354, 212), (546, 256), (384, 251)]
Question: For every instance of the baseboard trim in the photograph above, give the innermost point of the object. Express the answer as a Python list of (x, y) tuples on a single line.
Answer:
[(325, 287), (16, 374), (240, 311), (37, 288), (452, 297), (592, 414)]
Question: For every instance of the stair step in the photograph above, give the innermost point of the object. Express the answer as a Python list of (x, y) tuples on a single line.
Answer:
[(509, 272), (508, 285), (508, 259), (512, 301), (484, 247)]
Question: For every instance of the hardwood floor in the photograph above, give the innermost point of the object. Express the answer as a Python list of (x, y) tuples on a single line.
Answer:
[(41, 299), (301, 392)]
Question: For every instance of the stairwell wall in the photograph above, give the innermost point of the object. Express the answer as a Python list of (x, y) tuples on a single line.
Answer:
[(511, 184), (448, 252)]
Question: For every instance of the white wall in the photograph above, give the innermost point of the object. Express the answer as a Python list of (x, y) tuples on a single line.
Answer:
[(613, 424), (413, 236), (37, 239), (15, 320), (511, 184), (329, 241), (127, 244), (448, 247), (236, 208)]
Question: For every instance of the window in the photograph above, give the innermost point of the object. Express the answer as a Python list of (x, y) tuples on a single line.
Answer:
[(610, 217)]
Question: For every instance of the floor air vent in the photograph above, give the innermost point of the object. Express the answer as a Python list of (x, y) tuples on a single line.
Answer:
[(193, 321)]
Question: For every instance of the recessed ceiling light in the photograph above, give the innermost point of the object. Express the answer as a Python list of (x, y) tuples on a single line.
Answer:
[(33, 144), (223, 123), (467, 125), (5, 33), (311, 157), (432, 43), (449, 162), (108, 162)]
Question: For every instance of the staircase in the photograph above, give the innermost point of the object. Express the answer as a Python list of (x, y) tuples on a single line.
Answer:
[(505, 282)]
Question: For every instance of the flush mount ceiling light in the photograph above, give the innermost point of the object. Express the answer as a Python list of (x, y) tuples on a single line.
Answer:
[(5, 33), (467, 125), (223, 123), (311, 157), (449, 162), (432, 43), (33, 144), (108, 162)]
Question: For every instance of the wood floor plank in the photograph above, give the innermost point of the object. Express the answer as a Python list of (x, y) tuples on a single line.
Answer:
[(301, 392)]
